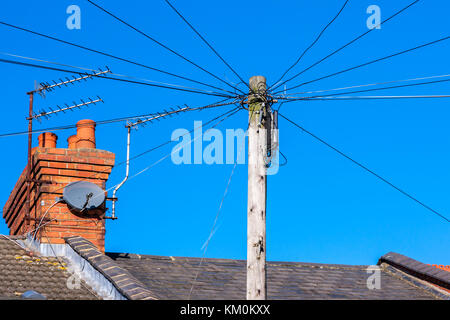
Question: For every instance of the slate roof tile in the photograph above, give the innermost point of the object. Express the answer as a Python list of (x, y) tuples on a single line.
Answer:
[(155, 277), (173, 278)]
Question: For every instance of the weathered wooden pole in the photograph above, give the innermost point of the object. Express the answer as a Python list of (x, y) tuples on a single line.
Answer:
[(256, 205)]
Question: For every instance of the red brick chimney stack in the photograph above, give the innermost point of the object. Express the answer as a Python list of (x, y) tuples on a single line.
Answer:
[(53, 169)]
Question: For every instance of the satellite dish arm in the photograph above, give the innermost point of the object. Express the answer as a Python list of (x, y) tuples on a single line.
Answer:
[(113, 215), (88, 197)]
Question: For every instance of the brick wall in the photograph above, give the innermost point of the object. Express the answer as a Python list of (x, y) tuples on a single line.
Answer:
[(52, 169)]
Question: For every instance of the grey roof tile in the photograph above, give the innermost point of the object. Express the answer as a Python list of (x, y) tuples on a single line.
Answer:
[(155, 277), (20, 271), (173, 278)]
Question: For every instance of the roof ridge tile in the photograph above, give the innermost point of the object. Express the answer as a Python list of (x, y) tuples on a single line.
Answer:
[(129, 286), (416, 268)]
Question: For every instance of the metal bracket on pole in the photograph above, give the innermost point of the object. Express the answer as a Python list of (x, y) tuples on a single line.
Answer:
[(127, 171)]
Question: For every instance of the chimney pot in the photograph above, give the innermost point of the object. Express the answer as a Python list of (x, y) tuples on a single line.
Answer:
[(85, 134), (47, 140), (60, 167), (72, 141)]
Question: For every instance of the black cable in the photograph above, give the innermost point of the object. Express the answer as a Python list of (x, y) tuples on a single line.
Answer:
[(369, 63), (207, 43), (314, 42), (111, 78), (110, 121), (373, 98), (160, 44), (365, 90), (365, 168), (223, 115), (285, 160), (87, 73), (112, 56), (346, 45)]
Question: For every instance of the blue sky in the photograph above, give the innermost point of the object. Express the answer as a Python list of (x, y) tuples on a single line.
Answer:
[(321, 207)]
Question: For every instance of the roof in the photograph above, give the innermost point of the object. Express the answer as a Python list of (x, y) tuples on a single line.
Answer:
[(22, 271), (418, 269), (173, 278), (147, 277)]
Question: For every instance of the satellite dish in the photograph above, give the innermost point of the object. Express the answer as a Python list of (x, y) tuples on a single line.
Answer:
[(83, 195)]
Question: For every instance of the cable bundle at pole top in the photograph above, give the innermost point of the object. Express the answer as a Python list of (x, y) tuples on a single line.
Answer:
[(226, 90)]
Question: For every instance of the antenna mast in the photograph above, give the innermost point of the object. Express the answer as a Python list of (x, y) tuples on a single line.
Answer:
[(31, 115)]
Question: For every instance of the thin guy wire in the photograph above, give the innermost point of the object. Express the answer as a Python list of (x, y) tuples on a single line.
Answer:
[(366, 169), (213, 226)]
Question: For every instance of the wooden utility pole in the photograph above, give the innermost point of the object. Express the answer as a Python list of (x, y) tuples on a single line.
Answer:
[(256, 205)]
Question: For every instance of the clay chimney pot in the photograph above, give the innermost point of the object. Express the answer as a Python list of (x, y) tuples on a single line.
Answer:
[(85, 134), (47, 140), (72, 141)]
